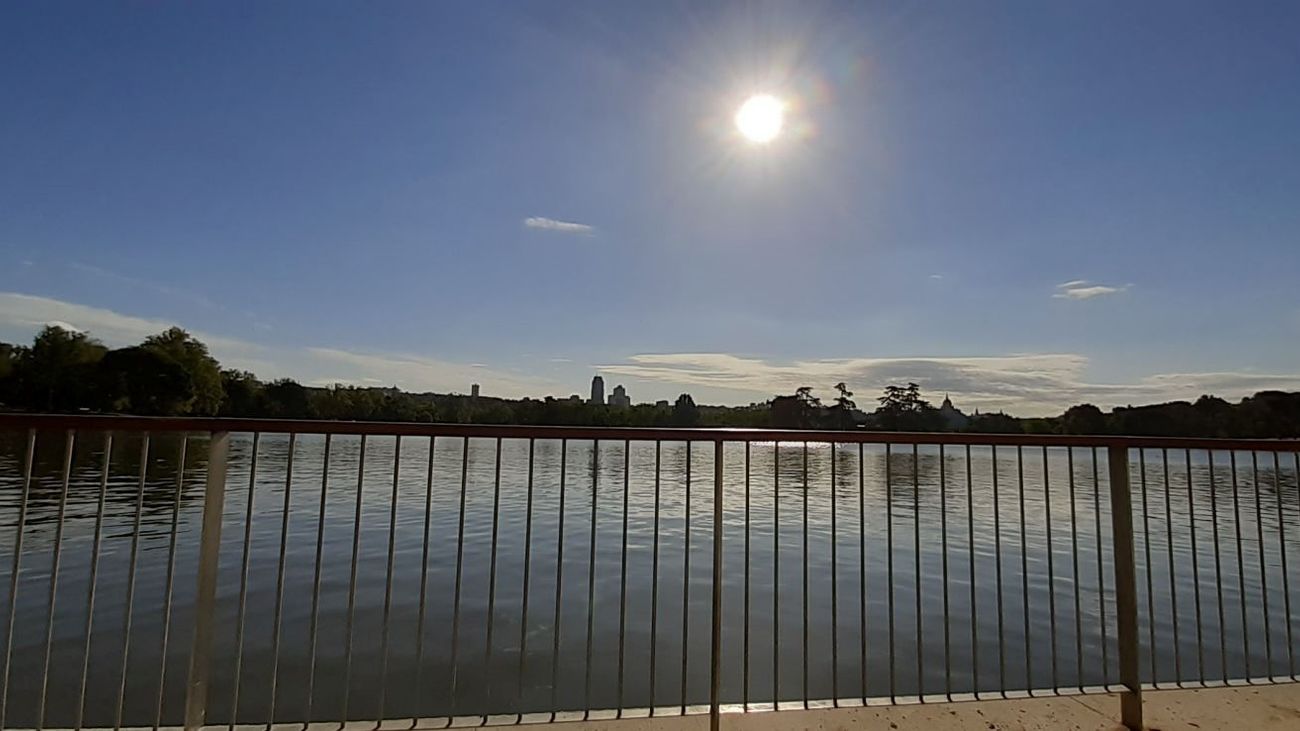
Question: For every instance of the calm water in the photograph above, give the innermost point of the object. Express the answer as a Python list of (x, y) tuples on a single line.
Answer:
[(801, 600)]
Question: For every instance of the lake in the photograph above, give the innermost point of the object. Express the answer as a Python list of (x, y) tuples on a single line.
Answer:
[(852, 524)]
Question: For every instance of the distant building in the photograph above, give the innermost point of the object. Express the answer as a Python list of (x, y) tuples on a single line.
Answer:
[(953, 419), (662, 403), (597, 390), (575, 398), (473, 390), (619, 398)]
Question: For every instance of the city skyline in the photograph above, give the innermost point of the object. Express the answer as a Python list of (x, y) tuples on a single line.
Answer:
[(1030, 209)]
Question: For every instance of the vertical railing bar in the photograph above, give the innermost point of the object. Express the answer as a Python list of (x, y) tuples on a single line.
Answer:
[(424, 575), (277, 615), (835, 603), (1281, 546), (745, 664), (70, 439), (352, 586), (94, 576), (1074, 576), (1196, 571), (804, 576), (243, 584), (997, 560), (943, 533), (528, 566), (1024, 567), (384, 631), (889, 563), (1121, 511), (1146, 548), (622, 573), (314, 619), (559, 580), (1218, 568), (460, 573), (715, 669), (169, 582), (974, 605), (591, 580), (1101, 572), (862, 564), (1295, 461), (686, 581), (916, 556), (1051, 567), (492, 575), (776, 576), (205, 595), (1263, 565), (1173, 588), (1241, 562), (654, 582), (130, 587), (19, 530)]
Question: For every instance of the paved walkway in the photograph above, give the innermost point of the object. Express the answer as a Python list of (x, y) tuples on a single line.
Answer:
[(1255, 708)]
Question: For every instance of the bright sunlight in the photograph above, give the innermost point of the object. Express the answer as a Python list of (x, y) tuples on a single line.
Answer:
[(760, 118)]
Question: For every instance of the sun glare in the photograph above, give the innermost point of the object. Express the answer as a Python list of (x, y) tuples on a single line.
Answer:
[(760, 118)]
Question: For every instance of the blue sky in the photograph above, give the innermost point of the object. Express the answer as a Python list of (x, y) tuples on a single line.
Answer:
[(1029, 204)]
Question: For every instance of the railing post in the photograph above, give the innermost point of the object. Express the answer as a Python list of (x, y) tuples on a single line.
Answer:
[(1121, 515), (214, 500), (715, 655)]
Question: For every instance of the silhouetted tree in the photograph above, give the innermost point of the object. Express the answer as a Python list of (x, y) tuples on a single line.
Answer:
[(903, 409), (141, 380), (1083, 419), (58, 372), (685, 413), (842, 412), (203, 369)]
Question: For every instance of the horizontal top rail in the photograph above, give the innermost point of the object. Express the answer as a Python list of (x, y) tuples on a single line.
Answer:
[(156, 424)]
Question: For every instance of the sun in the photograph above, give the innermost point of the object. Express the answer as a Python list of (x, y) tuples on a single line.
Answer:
[(761, 118)]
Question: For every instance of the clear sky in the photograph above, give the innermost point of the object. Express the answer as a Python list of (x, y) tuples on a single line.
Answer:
[(1029, 204)]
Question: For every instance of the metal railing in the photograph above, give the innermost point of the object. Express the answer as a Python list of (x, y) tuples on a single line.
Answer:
[(192, 572)]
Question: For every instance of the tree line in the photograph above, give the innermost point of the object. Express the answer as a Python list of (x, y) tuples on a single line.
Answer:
[(173, 374)]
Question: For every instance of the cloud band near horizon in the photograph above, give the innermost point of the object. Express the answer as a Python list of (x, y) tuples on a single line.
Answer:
[(1025, 384)]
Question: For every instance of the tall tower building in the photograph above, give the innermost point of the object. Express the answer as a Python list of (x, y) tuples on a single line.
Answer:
[(597, 390), (619, 397)]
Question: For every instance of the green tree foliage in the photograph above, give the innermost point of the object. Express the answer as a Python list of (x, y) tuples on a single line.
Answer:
[(142, 380), (286, 399), (58, 372), (202, 368), (243, 394)]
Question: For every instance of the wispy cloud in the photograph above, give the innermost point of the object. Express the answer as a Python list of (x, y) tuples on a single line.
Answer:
[(551, 224), (1025, 384), (936, 276), (21, 315), (1082, 289), (163, 289)]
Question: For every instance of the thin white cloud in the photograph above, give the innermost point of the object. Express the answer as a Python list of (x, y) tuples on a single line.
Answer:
[(936, 276), (163, 289), (551, 224), (22, 315), (1082, 289), (1024, 384)]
